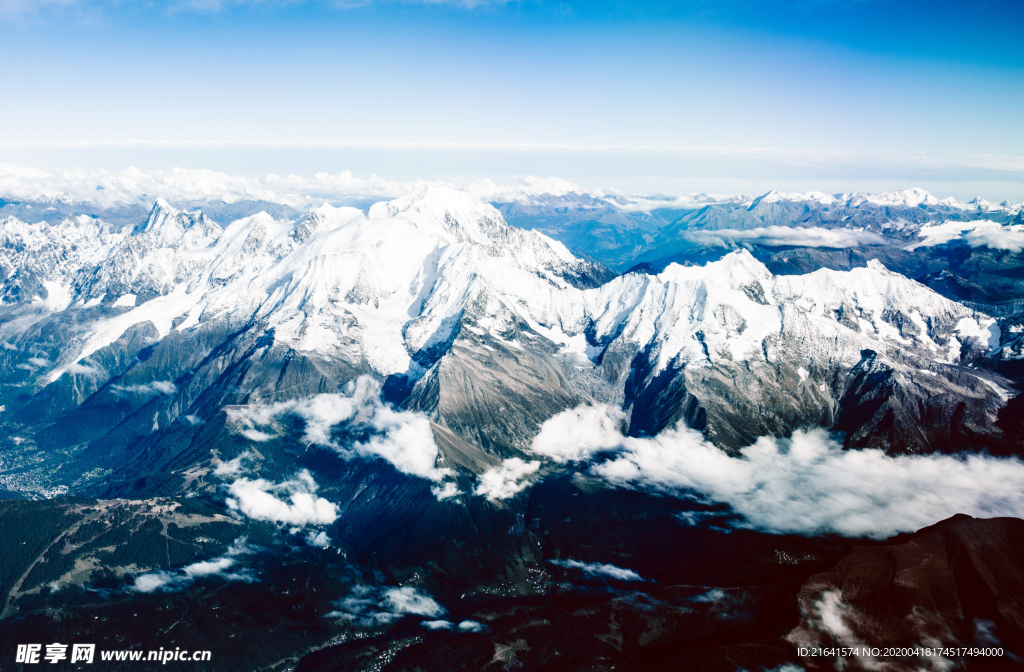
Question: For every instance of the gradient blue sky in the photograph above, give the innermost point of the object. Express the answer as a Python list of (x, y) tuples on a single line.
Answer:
[(736, 95)]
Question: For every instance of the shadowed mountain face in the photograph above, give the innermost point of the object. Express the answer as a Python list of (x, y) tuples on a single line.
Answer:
[(957, 583), (438, 441)]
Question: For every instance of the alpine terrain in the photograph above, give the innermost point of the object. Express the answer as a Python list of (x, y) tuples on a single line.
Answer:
[(569, 432)]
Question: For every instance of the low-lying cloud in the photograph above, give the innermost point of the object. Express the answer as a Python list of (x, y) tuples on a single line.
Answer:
[(980, 233), (402, 438), (462, 626), (784, 236), (576, 434), (506, 480), (169, 581), (598, 569), (235, 466), (155, 388), (1009, 238), (370, 606), (294, 501), (807, 484)]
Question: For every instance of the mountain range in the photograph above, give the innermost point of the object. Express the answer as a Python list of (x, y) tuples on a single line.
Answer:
[(451, 398)]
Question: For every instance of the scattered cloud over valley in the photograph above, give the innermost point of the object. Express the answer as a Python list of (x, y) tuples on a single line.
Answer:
[(369, 606), (784, 236), (293, 501), (597, 569), (806, 484), (402, 438), (224, 567)]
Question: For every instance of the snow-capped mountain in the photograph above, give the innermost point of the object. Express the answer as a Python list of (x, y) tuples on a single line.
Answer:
[(487, 329)]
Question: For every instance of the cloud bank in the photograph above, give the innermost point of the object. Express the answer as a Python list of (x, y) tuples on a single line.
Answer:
[(105, 188), (784, 236), (981, 233), (806, 484), (402, 438)]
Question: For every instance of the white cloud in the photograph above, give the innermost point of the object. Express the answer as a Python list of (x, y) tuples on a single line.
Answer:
[(370, 607), (293, 501), (1010, 238), (471, 626), (81, 369), (809, 485), (579, 433), (464, 626), (780, 236), (235, 466), (173, 580), (318, 539), (445, 490), (405, 440), (507, 479), (106, 188), (438, 625), (402, 438), (599, 569), (979, 233)]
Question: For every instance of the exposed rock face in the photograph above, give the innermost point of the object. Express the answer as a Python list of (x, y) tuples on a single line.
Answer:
[(957, 583)]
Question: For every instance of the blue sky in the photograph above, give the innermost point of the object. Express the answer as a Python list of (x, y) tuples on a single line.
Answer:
[(735, 95)]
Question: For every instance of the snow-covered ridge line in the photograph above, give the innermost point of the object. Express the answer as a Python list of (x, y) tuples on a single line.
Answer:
[(426, 253), (394, 280)]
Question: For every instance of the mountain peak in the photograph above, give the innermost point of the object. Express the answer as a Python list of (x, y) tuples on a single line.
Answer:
[(769, 197), (433, 198), (451, 214), (169, 227)]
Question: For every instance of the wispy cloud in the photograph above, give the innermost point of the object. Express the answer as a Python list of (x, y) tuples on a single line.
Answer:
[(1011, 163), (369, 606), (174, 580), (596, 569), (157, 387), (462, 626), (235, 466)]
